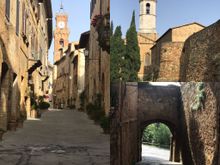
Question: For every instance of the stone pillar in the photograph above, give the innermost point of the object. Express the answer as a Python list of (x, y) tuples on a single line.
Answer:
[(177, 151), (28, 107), (4, 102), (14, 104), (171, 148)]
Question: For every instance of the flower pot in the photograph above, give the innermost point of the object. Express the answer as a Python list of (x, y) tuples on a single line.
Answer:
[(1, 134), (33, 113), (12, 126), (20, 124)]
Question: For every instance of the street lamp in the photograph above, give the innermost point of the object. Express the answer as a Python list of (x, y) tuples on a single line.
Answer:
[(86, 52)]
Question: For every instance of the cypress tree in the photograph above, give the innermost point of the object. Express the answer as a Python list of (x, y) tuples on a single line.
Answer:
[(111, 28), (117, 48), (132, 57)]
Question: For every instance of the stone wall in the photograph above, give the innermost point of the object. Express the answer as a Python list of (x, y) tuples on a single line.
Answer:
[(166, 56), (19, 52), (98, 60), (202, 121), (200, 60), (192, 113), (145, 41), (170, 54), (124, 132)]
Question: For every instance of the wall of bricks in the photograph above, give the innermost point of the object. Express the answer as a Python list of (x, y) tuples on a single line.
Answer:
[(170, 54), (202, 124), (200, 60), (166, 56)]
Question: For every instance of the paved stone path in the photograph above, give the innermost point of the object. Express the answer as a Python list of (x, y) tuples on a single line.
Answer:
[(155, 156), (59, 138)]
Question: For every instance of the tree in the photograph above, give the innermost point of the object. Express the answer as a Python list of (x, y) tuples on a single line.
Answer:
[(111, 29), (132, 58), (157, 134), (117, 48)]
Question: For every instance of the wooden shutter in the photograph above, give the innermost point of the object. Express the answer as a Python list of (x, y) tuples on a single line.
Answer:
[(7, 10), (17, 17)]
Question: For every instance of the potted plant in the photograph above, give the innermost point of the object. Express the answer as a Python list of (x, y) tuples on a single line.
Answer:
[(34, 113), (105, 124), (23, 117), (2, 131)]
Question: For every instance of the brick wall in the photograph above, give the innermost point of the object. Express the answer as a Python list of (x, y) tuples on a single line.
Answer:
[(200, 60), (202, 124), (170, 61)]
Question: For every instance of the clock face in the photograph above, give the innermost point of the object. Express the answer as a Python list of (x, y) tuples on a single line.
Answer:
[(61, 24)]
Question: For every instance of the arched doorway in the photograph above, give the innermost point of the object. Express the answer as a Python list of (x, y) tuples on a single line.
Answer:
[(160, 142), (4, 95)]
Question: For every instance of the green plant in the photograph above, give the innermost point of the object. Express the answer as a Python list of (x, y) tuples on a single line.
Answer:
[(40, 99), (72, 106), (200, 97), (95, 112), (82, 100), (23, 115), (105, 124), (34, 106), (44, 105)]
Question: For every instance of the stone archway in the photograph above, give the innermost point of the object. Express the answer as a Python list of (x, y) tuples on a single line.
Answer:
[(4, 95), (175, 141), (160, 104)]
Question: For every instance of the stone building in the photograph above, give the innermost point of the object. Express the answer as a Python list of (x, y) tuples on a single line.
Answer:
[(25, 37), (168, 49), (200, 60), (69, 77), (98, 60), (69, 65), (63, 77)]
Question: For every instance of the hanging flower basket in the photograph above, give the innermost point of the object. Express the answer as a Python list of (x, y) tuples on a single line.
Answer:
[(96, 20), (103, 30)]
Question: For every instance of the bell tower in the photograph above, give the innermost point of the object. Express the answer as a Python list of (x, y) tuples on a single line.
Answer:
[(147, 35), (147, 16), (61, 33)]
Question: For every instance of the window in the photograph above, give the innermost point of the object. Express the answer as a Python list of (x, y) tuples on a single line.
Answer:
[(147, 59), (24, 19), (148, 8), (7, 9), (61, 42), (17, 17)]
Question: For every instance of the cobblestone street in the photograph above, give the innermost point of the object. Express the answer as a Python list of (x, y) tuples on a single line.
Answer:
[(155, 156), (59, 138)]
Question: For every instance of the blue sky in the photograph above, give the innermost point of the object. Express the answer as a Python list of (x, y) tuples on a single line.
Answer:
[(79, 18), (170, 13)]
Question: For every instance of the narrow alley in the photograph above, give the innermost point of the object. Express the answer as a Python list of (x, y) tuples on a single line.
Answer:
[(60, 137)]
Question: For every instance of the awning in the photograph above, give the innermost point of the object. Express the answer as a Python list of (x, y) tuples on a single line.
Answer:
[(84, 39)]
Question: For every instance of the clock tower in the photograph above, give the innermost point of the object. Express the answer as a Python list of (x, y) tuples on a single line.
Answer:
[(61, 33)]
